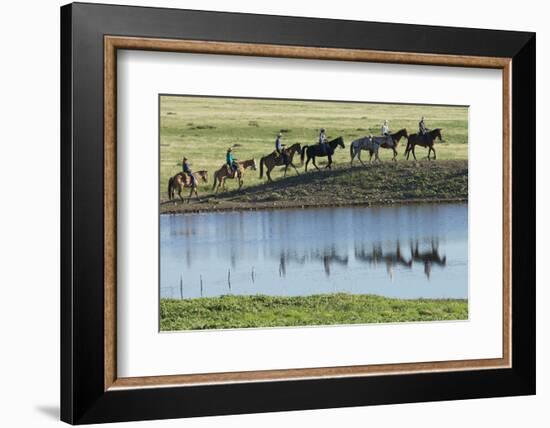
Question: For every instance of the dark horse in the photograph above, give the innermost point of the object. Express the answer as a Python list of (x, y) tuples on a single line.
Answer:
[(426, 140), (318, 151), (393, 141)]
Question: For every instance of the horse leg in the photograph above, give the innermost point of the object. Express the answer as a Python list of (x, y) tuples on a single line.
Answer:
[(295, 169), (314, 164), (394, 154), (329, 162), (414, 152), (354, 153), (268, 173), (434, 152), (359, 157), (307, 161), (179, 193)]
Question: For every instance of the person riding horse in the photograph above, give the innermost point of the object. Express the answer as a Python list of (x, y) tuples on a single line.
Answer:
[(422, 127), (187, 170), (422, 130), (386, 129), (231, 161), (323, 140), (280, 148)]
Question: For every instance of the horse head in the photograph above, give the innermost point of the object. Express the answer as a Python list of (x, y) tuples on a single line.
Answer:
[(254, 167), (297, 147), (437, 134)]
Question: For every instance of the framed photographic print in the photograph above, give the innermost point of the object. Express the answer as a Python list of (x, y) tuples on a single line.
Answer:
[(265, 213)]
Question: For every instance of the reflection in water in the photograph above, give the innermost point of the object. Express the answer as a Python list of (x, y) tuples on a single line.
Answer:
[(389, 251), (376, 255), (429, 257)]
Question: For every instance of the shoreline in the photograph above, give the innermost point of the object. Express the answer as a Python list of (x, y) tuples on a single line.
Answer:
[(185, 208)]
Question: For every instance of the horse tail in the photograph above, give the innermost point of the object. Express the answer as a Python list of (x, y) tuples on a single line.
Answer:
[(262, 160), (351, 151), (215, 179), (303, 153), (170, 186)]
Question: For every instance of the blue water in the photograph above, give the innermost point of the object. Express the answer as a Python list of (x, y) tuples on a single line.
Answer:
[(406, 252)]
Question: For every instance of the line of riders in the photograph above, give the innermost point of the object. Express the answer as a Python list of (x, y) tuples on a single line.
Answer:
[(283, 155)]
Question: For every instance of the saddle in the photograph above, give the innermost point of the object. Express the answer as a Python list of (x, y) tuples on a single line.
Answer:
[(425, 137), (231, 172), (183, 177), (186, 179), (385, 139)]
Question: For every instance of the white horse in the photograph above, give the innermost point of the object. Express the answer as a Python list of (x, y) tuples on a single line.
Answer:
[(369, 143)]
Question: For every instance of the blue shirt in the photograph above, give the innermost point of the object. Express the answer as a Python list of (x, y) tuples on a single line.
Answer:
[(186, 168)]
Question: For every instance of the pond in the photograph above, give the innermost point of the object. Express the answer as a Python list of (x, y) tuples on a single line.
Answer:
[(409, 251)]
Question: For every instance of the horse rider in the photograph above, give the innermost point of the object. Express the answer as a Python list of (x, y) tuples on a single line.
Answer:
[(280, 148), (323, 140), (230, 160), (187, 170), (386, 129), (422, 127)]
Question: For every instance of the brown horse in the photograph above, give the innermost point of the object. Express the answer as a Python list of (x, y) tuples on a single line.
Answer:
[(275, 159), (225, 172), (426, 140), (393, 141), (178, 182)]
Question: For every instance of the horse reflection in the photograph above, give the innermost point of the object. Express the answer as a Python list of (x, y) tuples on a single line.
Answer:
[(376, 255), (285, 257), (429, 258), (330, 256)]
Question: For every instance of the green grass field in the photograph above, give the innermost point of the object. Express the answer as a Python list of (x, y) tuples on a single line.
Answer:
[(325, 309), (203, 128)]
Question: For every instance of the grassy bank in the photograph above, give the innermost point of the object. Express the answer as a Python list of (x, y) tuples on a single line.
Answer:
[(376, 184), (203, 128), (267, 311)]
